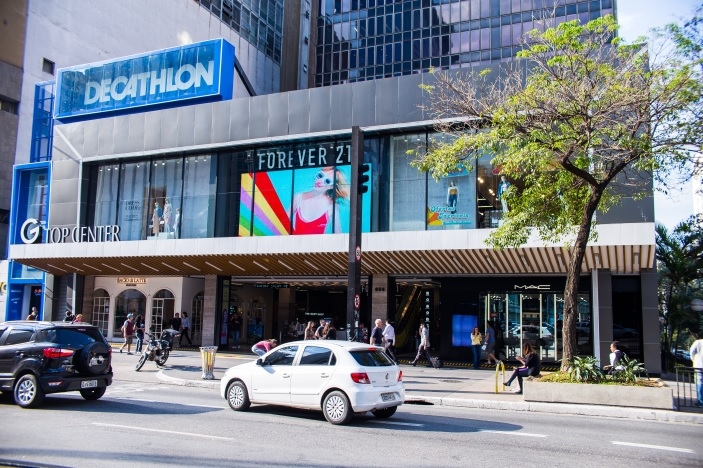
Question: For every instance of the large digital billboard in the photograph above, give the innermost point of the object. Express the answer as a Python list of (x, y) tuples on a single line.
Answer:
[(299, 193), (198, 72)]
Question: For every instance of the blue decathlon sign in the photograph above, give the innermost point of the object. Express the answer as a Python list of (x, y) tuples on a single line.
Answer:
[(199, 72)]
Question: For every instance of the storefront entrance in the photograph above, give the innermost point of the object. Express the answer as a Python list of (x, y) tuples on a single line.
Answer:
[(535, 318)]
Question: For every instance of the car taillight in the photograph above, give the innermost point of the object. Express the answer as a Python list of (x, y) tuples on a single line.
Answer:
[(55, 353), (360, 377), (400, 376)]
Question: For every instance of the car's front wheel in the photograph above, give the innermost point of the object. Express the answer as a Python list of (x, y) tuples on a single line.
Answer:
[(27, 392), (93, 393), (237, 396), (337, 408), (385, 413)]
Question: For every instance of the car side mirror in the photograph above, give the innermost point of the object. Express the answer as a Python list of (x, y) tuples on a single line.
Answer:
[(259, 362)]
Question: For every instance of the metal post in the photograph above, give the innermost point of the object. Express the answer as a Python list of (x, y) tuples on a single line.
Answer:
[(354, 259)]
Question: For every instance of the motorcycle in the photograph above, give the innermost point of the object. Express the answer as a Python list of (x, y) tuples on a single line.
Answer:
[(157, 349)]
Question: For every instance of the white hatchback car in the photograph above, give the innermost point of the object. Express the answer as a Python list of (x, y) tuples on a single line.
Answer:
[(339, 377)]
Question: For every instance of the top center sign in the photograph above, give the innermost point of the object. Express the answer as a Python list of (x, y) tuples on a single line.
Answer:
[(200, 72)]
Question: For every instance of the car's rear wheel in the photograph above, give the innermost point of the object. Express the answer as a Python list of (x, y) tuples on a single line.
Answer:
[(385, 413), (27, 392), (93, 393), (237, 396), (337, 408)]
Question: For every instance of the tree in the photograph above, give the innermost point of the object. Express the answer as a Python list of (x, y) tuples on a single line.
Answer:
[(680, 257), (581, 120)]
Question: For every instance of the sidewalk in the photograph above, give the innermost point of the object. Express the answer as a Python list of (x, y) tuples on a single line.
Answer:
[(449, 387)]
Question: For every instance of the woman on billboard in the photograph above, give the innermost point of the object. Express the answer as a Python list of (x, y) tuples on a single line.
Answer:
[(315, 209)]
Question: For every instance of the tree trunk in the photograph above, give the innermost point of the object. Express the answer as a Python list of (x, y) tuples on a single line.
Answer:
[(573, 276)]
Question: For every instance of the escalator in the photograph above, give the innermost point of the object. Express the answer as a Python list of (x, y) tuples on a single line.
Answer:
[(408, 316)]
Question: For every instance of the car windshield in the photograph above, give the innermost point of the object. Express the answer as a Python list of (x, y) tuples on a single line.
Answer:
[(371, 358)]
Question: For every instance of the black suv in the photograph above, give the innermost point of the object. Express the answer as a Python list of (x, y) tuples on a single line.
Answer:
[(37, 358)]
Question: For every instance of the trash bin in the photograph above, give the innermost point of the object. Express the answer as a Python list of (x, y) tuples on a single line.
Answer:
[(208, 355)]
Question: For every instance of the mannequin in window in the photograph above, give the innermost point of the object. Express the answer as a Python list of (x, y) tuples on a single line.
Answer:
[(503, 187), (156, 219), (452, 195), (168, 213)]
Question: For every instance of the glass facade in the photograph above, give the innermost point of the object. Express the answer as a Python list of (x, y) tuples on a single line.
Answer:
[(258, 21), (294, 188), (360, 40), (43, 122)]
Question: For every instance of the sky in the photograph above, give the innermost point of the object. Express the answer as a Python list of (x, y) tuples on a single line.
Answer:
[(636, 18)]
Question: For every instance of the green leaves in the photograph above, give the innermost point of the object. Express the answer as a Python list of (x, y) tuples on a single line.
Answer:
[(585, 369)]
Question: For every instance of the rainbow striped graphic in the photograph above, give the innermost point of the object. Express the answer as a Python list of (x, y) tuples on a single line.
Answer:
[(266, 203)]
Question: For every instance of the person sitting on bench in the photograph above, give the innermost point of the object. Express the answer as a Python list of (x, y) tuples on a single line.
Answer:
[(616, 359), (531, 366)]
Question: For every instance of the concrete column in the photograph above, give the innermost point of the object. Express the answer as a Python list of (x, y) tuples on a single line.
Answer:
[(85, 302), (605, 314), (379, 298), (210, 311), (651, 350)]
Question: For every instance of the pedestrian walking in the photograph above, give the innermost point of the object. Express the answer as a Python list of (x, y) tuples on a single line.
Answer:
[(424, 348), (33, 314), (127, 332), (697, 358), (69, 316), (330, 332), (185, 329), (139, 328), (490, 343), (377, 334), (389, 336)]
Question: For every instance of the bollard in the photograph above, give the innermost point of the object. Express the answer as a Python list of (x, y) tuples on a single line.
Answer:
[(208, 355), (499, 367)]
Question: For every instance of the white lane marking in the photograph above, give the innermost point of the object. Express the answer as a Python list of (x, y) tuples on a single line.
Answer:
[(524, 434), (131, 428), (655, 447), (167, 403), (398, 423)]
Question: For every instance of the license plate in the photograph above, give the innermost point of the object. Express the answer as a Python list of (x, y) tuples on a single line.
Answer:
[(387, 396), (89, 383)]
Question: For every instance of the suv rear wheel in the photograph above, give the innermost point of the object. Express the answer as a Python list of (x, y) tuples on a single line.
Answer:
[(27, 392), (94, 359)]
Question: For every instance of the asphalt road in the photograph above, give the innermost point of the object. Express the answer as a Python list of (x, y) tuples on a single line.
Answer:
[(147, 423)]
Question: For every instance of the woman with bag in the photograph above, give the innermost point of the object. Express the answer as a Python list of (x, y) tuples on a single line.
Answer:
[(531, 366), (476, 339)]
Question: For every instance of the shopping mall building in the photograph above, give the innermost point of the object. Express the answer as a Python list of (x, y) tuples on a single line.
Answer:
[(164, 194)]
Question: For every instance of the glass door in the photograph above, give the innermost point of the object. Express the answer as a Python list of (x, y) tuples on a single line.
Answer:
[(548, 328)]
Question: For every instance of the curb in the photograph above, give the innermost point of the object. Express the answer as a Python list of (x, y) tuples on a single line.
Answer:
[(641, 414), (215, 384)]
